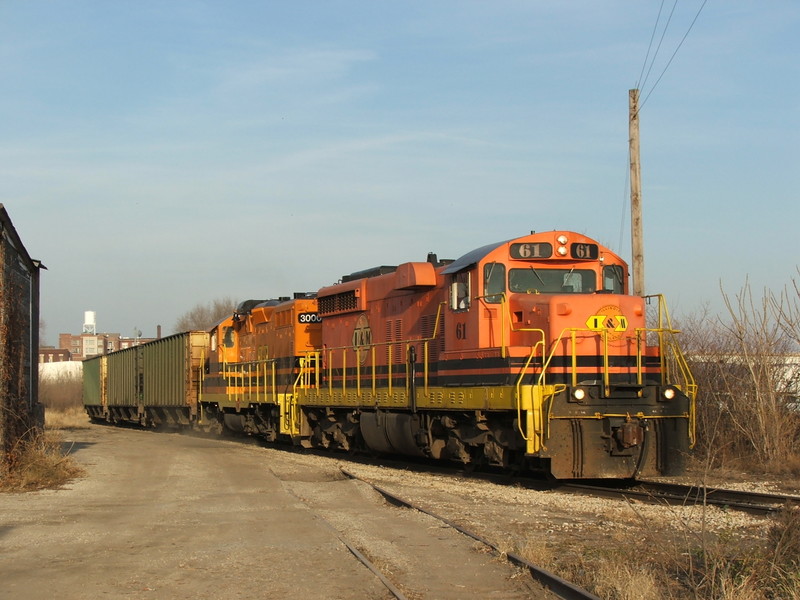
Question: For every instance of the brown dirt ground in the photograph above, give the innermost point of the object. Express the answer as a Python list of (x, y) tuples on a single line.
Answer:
[(164, 515)]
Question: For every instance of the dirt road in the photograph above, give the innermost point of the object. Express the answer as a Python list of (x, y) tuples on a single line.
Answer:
[(164, 515)]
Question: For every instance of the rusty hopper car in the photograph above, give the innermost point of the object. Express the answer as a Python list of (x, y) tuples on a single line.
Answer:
[(152, 384)]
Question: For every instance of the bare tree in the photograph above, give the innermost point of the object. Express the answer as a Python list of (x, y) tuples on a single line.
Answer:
[(787, 307), (746, 408), (204, 316)]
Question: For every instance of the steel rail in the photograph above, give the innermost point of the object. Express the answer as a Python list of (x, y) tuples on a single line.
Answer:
[(672, 493), (561, 587), (738, 499), (757, 503), (353, 550)]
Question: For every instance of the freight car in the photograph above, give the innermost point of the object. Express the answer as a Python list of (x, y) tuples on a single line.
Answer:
[(155, 384), (528, 353)]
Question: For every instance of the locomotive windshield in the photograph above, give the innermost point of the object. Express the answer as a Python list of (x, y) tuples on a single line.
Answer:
[(552, 281)]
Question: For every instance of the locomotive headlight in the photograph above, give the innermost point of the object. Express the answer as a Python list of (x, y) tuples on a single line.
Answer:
[(579, 394), (669, 393), (562, 250), (562, 239)]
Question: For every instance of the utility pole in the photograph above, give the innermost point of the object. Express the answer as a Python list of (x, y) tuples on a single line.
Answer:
[(637, 243)]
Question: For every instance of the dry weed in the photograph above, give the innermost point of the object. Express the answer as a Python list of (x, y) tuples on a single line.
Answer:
[(61, 393), (537, 552), (687, 563), (783, 557), (62, 398), (39, 464), (625, 581), (68, 418)]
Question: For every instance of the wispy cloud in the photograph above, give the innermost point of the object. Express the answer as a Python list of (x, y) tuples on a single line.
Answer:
[(300, 67)]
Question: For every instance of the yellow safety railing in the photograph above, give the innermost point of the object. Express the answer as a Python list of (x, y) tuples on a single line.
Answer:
[(251, 381), (674, 365), (317, 363), (674, 370), (673, 362)]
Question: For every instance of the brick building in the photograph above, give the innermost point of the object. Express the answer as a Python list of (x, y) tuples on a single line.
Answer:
[(51, 355), (86, 345), (20, 411)]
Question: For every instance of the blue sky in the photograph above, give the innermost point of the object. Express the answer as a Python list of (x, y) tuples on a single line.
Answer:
[(155, 155)]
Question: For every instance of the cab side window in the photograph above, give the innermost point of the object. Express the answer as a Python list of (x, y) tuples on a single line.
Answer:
[(494, 282), (613, 279), (460, 291)]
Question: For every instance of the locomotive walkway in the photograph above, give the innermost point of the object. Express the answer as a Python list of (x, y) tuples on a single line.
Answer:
[(163, 515)]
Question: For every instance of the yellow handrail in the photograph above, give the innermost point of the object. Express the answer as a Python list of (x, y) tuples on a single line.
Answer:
[(372, 348), (669, 352)]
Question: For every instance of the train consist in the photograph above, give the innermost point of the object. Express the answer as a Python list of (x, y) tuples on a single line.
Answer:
[(528, 353)]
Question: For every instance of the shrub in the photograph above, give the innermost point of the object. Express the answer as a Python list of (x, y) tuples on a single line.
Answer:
[(39, 463), (745, 414)]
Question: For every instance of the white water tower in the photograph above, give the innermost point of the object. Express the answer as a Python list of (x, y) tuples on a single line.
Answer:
[(89, 325)]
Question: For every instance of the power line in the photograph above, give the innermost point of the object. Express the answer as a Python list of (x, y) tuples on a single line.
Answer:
[(650, 45), (661, 40), (641, 82), (669, 62)]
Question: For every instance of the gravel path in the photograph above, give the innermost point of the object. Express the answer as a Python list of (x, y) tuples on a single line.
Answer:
[(163, 516)]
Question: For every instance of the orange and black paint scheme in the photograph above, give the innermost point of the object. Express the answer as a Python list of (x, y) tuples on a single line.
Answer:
[(255, 359), (529, 353)]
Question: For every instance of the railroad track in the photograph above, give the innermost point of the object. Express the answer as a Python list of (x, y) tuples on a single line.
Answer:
[(757, 503), (654, 492), (672, 493), (558, 586)]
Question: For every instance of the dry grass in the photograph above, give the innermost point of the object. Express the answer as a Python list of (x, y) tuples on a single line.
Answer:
[(39, 464), (536, 552), (63, 401), (625, 581), (62, 393), (653, 564), (69, 418), (38, 461)]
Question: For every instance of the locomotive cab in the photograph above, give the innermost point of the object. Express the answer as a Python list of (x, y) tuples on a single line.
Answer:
[(586, 369)]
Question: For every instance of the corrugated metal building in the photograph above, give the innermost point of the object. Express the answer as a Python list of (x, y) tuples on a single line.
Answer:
[(19, 338)]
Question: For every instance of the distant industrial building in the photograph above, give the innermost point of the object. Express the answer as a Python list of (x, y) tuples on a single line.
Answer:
[(49, 354), (88, 343)]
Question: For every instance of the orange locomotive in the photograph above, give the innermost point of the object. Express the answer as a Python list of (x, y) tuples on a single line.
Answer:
[(253, 364), (527, 353)]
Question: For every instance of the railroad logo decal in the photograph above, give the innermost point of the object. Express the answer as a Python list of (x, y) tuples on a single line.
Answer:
[(609, 318), (362, 338)]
